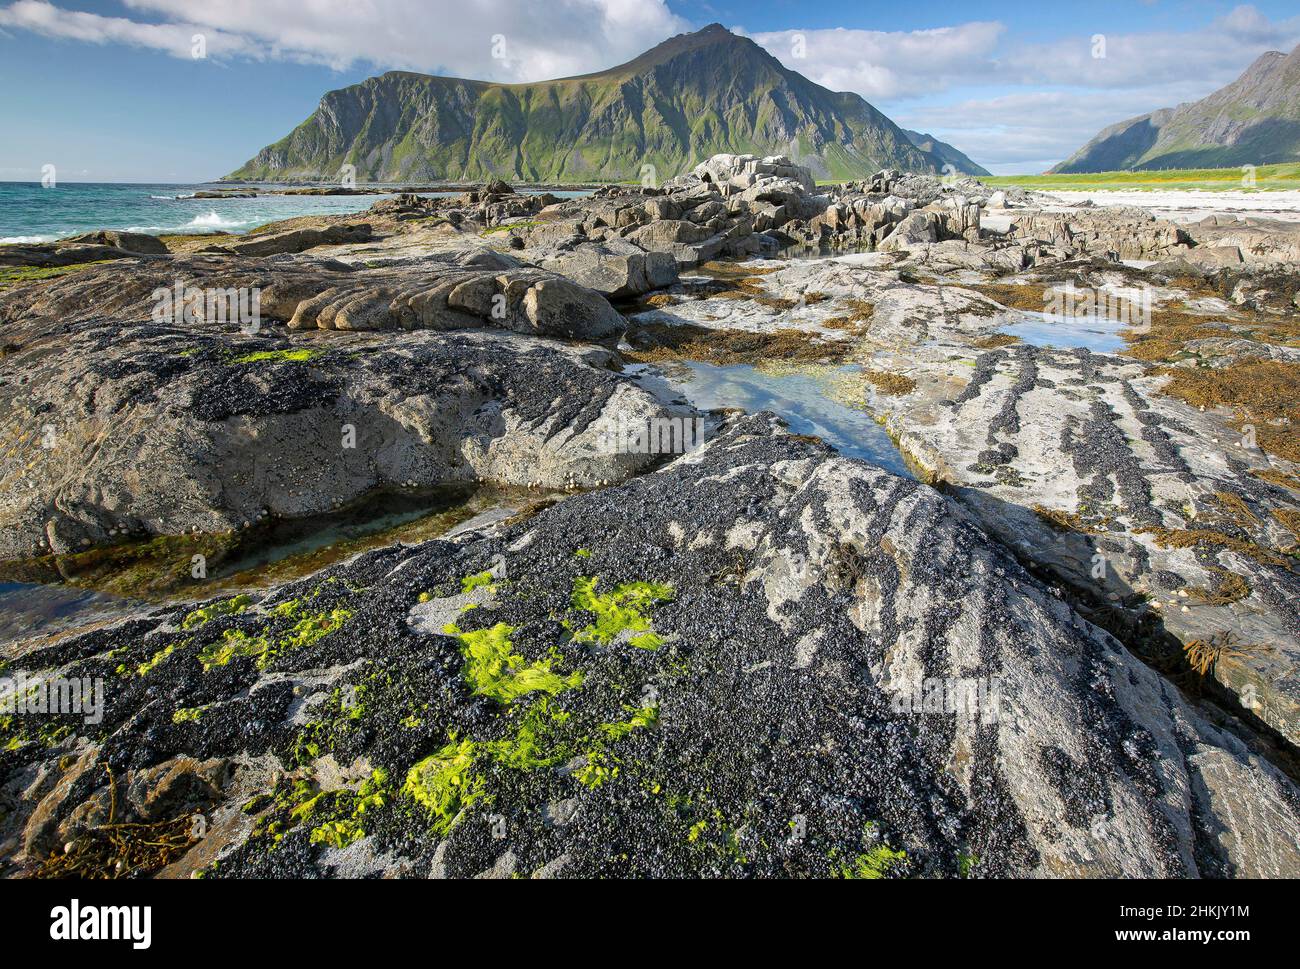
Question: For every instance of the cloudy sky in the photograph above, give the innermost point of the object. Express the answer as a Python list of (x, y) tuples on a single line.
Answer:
[(111, 90)]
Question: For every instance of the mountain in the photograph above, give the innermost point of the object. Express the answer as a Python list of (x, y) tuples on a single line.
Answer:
[(689, 98), (946, 153), (1255, 120)]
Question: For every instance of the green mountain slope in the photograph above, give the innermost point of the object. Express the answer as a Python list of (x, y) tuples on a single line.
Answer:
[(690, 97), (1255, 120), (946, 153)]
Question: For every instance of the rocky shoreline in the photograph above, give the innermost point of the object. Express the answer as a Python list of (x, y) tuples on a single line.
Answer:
[(718, 662)]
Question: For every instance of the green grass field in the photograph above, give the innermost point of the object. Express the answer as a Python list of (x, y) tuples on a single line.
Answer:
[(1267, 178)]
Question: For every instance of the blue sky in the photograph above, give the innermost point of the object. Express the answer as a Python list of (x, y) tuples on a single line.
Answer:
[(109, 90)]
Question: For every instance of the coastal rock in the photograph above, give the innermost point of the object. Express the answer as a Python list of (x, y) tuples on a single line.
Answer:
[(744, 173), (916, 229), (149, 429), (50, 255), (1073, 458), (133, 242), (1130, 233), (293, 240), (448, 291), (617, 268), (822, 669)]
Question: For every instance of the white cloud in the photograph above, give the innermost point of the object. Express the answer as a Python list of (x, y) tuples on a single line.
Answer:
[(1212, 56), (1046, 99), (886, 66), (503, 40), (882, 65), (1022, 132), (172, 38), (1016, 102)]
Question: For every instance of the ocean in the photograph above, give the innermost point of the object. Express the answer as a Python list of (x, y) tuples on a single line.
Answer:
[(30, 213)]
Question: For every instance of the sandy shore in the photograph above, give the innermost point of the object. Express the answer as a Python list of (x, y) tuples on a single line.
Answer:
[(1193, 206)]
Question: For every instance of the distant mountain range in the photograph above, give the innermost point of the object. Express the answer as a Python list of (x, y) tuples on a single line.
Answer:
[(677, 104), (946, 153), (1255, 120)]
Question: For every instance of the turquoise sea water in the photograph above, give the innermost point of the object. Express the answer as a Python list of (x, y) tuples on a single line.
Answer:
[(30, 213)]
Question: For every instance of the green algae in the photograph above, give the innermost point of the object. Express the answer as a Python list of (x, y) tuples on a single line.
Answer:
[(452, 780), (187, 715), (597, 768), (534, 743), (493, 670), (879, 862), (481, 580), (373, 794), (264, 648), (601, 764), (336, 817), (967, 862), (13, 736), (622, 610), (236, 643), (17, 275), (340, 714), (445, 783), (154, 661), (228, 607), (640, 719), (285, 356)]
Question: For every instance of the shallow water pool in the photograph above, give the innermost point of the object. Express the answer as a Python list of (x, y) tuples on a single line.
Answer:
[(807, 399), (1095, 333), (43, 595)]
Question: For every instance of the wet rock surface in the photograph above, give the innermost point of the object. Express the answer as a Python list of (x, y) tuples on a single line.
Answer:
[(711, 672)]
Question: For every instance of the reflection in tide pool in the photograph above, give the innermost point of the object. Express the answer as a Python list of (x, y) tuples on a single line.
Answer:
[(804, 399), (1095, 333), (45, 596), (28, 609)]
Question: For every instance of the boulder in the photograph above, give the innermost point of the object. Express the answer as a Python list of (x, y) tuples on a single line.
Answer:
[(1214, 257), (133, 242), (1130, 233), (163, 429), (617, 268), (294, 240), (916, 229)]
